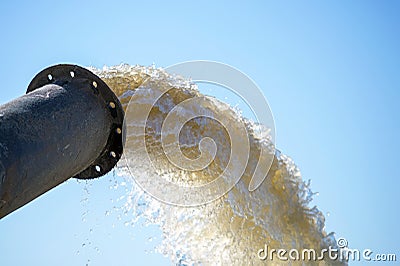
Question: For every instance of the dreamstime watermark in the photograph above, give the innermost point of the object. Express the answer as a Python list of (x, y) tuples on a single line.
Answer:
[(340, 253), (227, 78)]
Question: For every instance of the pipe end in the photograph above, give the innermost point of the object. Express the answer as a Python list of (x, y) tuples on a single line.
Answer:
[(112, 152)]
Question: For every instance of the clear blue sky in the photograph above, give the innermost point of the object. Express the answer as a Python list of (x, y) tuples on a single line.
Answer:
[(329, 69)]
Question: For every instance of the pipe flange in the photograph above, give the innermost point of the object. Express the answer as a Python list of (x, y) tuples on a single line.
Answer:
[(112, 152)]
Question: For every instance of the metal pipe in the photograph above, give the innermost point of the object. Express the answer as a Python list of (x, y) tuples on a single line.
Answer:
[(67, 125)]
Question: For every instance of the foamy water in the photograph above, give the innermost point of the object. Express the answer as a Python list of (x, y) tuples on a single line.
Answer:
[(231, 229)]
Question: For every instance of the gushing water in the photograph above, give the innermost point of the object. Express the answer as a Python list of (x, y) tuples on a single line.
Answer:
[(231, 229)]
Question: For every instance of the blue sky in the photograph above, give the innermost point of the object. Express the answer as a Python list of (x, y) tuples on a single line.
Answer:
[(329, 69)]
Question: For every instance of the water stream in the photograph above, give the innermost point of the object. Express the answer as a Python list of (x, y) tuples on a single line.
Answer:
[(232, 229)]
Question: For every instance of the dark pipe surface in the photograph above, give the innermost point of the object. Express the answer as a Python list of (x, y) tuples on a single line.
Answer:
[(52, 133)]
